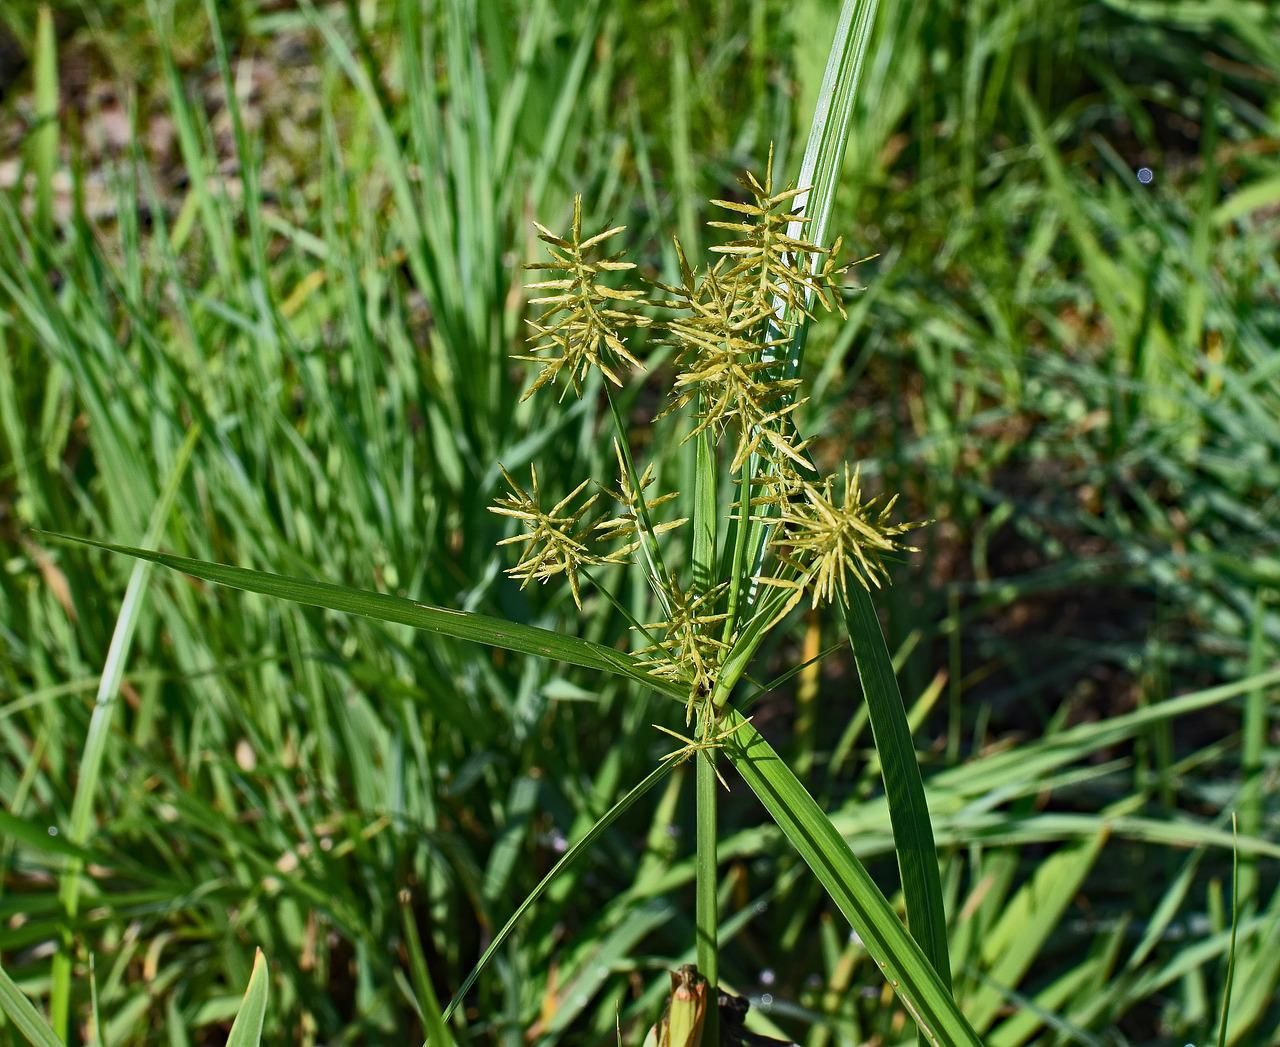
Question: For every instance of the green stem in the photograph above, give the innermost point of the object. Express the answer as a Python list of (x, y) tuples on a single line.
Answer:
[(707, 916), (737, 583)]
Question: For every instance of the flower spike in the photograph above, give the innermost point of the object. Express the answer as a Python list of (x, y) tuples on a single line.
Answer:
[(580, 324), (555, 539)]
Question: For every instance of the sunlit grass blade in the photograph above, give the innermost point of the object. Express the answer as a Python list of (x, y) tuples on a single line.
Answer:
[(1231, 954), (428, 1005), (95, 745), (44, 139), (828, 136), (1028, 920), (461, 625), (706, 888), (705, 516), (906, 968), (820, 175), (904, 787), (246, 1031)]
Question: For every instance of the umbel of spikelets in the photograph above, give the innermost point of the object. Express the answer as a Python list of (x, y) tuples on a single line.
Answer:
[(554, 540), (733, 317), (825, 536)]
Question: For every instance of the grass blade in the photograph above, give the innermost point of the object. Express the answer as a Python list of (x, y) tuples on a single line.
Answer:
[(829, 134), (461, 625), (246, 1030), (95, 745), (437, 1032), (704, 513), (820, 174), (1231, 954), (849, 885), (706, 900), (904, 788), (568, 858), (44, 140), (22, 1012), (1028, 919)]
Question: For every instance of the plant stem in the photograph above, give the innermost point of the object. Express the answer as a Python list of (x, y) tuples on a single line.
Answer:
[(707, 915), (737, 581)]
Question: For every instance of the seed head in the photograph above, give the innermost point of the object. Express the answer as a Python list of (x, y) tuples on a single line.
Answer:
[(740, 312), (774, 265), (824, 539), (554, 540), (630, 521), (690, 648), (580, 323), (722, 368)]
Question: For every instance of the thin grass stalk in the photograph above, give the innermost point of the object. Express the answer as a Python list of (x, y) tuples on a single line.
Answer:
[(95, 745), (707, 915), (44, 141)]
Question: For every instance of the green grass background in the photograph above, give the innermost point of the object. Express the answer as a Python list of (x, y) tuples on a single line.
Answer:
[(298, 231)]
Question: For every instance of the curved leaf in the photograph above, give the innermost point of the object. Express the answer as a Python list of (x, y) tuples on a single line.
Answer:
[(903, 786), (462, 625), (846, 880), (246, 1030), (22, 1012)]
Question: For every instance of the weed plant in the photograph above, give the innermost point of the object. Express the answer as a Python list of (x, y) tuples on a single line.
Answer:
[(1066, 369)]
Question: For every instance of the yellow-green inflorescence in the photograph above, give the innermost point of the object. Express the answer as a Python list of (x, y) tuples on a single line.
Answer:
[(728, 323)]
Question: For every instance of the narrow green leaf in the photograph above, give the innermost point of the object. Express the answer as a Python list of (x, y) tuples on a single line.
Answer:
[(1231, 954), (820, 174), (44, 140), (22, 1012), (437, 1032), (706, 884), (462, 625), (246, 1030), (566, 859), (705, 516), (40, 838), (1027, 920), (654, 565), (95, 745), (849, 885), (903, 786), (828, 135)]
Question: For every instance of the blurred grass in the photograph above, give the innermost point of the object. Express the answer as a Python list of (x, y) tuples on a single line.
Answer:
[(1070, 371)]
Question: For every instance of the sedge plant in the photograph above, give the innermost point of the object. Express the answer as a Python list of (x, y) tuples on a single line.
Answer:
[(823, 535), (788, 536)]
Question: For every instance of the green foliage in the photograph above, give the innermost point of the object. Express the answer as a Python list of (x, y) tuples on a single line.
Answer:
[(1071, 373)]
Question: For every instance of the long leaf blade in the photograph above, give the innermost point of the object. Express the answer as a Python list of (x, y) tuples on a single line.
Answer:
[(849, 885), (461, 625), (246, 1030), (22, 1012), (570, 856), (903, 785), (95, 745)]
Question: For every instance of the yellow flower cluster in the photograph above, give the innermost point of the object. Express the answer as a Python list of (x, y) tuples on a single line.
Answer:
[(730, 324)]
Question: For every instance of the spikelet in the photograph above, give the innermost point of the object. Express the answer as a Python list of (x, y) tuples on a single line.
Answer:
[(690, 648), (629, 524), (738, 313)]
